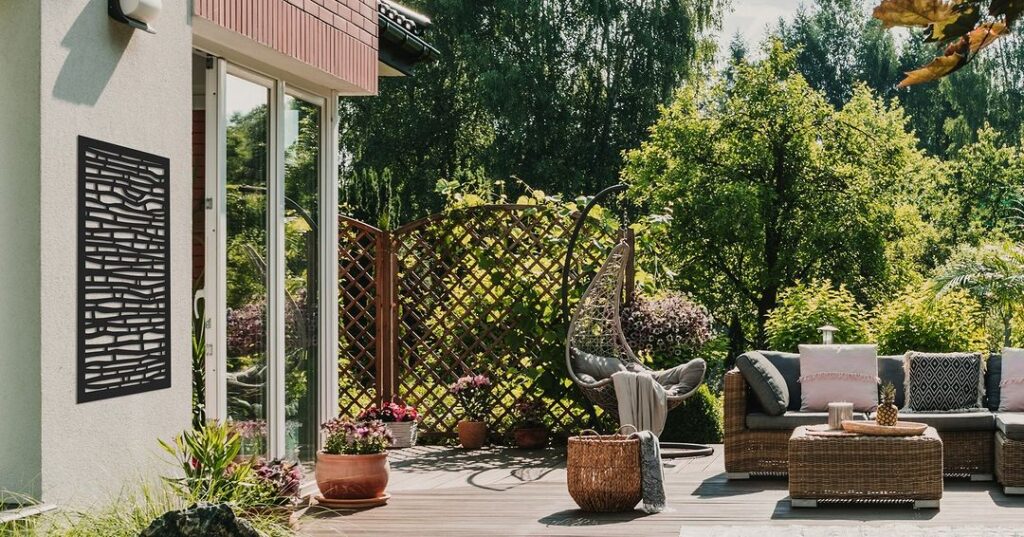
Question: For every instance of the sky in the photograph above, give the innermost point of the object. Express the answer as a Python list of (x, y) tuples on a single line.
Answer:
[(751, 18)]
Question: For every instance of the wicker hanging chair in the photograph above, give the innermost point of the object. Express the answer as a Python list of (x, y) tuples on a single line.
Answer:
[(596, 329)]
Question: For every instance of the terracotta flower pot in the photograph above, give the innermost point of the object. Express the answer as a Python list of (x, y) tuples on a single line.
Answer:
[(531, 437), (472, 434), (352, 477)]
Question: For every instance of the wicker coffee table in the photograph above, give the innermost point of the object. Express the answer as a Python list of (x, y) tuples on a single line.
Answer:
[(847, 466)]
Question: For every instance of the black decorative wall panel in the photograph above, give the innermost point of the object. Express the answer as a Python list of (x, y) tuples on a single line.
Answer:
[(124, 324)]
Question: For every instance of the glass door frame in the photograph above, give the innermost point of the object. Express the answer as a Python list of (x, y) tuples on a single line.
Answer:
[(216, 248)]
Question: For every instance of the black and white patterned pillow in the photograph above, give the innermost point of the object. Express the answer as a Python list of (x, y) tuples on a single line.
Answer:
[(944, 382)]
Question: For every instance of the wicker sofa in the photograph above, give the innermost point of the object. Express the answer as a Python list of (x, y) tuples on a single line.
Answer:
[(975, 444)]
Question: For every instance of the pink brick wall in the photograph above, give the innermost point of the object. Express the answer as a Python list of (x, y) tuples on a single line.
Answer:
[(336, 36)]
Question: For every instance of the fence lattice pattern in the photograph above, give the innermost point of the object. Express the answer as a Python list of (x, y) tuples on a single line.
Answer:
[(357, 286), (474, 291)]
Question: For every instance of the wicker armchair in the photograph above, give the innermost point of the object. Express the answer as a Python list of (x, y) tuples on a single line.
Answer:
[(596, 329)]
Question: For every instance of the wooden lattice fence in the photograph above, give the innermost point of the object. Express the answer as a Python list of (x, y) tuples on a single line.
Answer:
[(474, 290)]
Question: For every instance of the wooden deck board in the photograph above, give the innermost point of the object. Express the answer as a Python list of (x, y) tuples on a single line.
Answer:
[(449, 492)]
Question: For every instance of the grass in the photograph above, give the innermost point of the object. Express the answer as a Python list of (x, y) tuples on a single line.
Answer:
[(126, 516)]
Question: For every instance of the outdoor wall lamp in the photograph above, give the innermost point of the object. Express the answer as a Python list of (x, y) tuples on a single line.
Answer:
[(134, 13)]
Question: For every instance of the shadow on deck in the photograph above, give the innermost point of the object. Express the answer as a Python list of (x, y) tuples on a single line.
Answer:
[(453, 492)]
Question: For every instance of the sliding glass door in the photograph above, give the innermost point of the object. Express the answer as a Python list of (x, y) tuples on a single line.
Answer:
[(248, 183), (270, 224), (302, 171)]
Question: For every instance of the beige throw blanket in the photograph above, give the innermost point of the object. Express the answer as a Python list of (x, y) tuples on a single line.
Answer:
[(642, 401)]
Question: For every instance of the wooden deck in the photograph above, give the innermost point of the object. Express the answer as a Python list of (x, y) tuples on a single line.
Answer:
[(446, 491)]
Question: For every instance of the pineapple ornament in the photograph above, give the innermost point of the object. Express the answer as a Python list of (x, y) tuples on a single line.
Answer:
[(888, 414)]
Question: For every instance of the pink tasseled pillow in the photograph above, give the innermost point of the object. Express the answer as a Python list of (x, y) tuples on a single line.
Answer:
[(834, 373), (1011, 387)]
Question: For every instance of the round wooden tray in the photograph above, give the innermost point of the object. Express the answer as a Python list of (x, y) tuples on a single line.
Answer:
[(823, 430), (870, 428), (353, 504)]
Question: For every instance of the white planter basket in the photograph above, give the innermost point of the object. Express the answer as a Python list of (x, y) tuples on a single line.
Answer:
[(403, 433)]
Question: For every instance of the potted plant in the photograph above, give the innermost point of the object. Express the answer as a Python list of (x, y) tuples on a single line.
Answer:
[(471, 392), (529, 430), (400, 419), (353, 464)]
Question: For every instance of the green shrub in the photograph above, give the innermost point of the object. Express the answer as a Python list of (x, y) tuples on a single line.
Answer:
[(805, 307), (125, 515), (207, 460), (919, 320), (697, 420)]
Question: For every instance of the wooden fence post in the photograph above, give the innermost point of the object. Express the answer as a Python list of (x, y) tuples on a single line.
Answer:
[(384, 275)]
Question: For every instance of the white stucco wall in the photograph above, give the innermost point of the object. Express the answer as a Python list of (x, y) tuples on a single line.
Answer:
[(101, 79), (19, 244)]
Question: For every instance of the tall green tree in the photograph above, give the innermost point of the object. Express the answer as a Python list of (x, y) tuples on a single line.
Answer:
[(840, 44), (765, 183), (547, 91)]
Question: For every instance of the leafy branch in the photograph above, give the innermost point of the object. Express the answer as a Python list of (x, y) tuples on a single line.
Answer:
[(963, 26)]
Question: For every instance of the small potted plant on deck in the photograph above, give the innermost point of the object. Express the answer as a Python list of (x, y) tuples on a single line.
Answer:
[(472, 392), (400, 419), (352, 469), (529, 430)]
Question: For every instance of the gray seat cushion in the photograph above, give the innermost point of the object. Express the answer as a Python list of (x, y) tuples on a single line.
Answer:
[(1012, 424), (765, 380), (981, 420), (594, 366), (790, 420)]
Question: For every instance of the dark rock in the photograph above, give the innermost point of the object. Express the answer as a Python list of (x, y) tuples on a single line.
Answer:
[(202, 520)]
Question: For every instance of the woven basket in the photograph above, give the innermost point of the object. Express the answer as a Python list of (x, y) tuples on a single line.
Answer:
[(604, 472)]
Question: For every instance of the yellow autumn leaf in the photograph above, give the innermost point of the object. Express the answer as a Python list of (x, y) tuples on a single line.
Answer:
[(985, 35), (963, 21), (913, 12), (938, 68)]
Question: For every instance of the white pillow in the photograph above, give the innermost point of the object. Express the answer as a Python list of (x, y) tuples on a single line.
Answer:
[(1011, 384), (834, 373)]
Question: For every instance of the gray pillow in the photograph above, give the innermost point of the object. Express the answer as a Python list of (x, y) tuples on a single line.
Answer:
[(944, 382), (766, 381), (598, 367), (993, 379)]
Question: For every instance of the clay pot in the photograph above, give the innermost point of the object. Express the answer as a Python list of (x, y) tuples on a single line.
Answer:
[(531, 437), (352, 477), (472, 434)]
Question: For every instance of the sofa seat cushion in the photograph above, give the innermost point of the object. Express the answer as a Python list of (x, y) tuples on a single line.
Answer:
[(791, 420), (1012, 424), (982, 420)]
